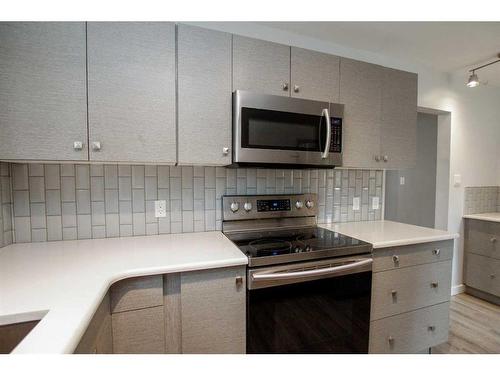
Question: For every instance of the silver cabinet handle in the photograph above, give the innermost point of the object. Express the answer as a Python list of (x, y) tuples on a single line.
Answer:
[(394, 293), (395, 259), (386, 158), (225, 150), (431, 328), (77, 145), (239, 281), (436, 251), (377, 158), (96, 146), (284, 86), (434, 284), (492, 276), (493, 240), (391, 340), (325, 153), (313, 272), (296, 88)]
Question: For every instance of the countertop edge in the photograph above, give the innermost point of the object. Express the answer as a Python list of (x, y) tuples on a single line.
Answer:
[(381, 245), (484, 217)]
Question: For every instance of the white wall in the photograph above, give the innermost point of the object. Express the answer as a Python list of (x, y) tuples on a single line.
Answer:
[(475, 116)]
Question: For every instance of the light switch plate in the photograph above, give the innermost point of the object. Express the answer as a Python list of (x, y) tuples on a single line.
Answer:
[(161, 208), (375, 203), (402, 180), (355, 204), (457, 180)]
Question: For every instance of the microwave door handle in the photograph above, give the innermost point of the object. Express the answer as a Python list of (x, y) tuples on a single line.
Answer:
[(314, 272), (326, 151)]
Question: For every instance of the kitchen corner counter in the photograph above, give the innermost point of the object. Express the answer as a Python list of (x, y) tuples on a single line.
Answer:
[(488, 216), (385, 233), (63, 282)]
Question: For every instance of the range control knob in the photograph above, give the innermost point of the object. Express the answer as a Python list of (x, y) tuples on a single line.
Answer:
[(235, 206), (309, 204), (299, 204), (247, 206)]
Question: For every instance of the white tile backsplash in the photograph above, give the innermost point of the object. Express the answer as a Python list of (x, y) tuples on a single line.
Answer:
[(64, 202)]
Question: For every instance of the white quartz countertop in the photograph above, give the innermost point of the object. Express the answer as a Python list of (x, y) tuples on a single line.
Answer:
[(385, 233), (489, 216), (63, 282)]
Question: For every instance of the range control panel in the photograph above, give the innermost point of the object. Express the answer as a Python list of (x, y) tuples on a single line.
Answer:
[(245, 207), (265, 205)]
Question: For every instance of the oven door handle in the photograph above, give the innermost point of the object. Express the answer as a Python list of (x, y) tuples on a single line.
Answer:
[(315, 272), (326, 151)]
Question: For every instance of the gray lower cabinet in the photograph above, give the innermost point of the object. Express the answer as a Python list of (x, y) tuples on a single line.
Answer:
[(410, 297), (43, 108), (482, 259), (131, 91), (98, 338), (213, 312), (261, 66), (204, 96), (314, 75)]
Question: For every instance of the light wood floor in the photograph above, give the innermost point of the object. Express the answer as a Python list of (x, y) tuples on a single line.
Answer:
[(474, 327)]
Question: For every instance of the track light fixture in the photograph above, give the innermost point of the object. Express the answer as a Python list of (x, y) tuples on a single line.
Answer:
[(473, 80)]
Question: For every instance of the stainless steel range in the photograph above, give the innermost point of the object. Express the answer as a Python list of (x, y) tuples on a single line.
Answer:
[(309, 288)]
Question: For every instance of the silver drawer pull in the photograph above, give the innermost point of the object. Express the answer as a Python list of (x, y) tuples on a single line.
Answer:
[(434, 284), (431, 328), (391, 340), (493, 240), (436, 251), (395, 259), (492, 276), (77, 145), (394, 293), (239, 281)]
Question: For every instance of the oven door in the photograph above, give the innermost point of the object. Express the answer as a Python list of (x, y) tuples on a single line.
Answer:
[(313, 307), (273, 129)]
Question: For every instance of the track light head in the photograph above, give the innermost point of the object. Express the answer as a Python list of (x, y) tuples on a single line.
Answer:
[(473, 80)]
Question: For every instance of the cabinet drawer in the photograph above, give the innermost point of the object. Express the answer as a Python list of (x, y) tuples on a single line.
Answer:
[(411, 255), (139, 331), (137, 293), (398, 291), (410, 332), (483, 238), (483, 273)]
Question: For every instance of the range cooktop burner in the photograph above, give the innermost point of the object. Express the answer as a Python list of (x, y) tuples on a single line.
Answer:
[(290, 245), (270, 246)]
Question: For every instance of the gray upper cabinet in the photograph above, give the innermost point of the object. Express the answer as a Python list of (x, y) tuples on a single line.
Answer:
[(204, 96), (361, 94), (43, 107), (314, 75), (399, 119), (261, 66), (131, 91)]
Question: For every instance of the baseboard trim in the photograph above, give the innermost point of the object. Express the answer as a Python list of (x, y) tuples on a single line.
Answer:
[(457, 289)]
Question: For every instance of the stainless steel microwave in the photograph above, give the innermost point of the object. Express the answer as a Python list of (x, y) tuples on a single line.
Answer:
[(272, 130)]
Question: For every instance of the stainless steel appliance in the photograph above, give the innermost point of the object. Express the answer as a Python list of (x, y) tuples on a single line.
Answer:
[(309, 288), (278, 130)]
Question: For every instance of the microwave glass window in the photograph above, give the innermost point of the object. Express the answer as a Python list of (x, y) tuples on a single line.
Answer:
[(268, 129)]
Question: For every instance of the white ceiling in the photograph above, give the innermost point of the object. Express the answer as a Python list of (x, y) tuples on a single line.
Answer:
[(444, 46)]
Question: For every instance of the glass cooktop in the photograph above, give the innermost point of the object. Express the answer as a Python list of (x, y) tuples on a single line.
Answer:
[(290, 245)]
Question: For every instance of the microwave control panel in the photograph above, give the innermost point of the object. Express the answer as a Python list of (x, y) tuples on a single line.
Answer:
[(336, 140)]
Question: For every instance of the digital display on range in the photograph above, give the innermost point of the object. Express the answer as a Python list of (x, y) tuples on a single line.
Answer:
[(273, 205)]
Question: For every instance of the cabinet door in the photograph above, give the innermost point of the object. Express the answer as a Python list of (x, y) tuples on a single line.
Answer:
[(361, 93), (204, 101), (213, 311), (399, 119), (43, 99), (261, 66), (314, 75), (131, 84)]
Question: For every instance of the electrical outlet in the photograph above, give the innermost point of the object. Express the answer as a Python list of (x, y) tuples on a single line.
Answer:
[(375, 203), (402, 180), (161, 208), (457, 180), (355, 204)]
